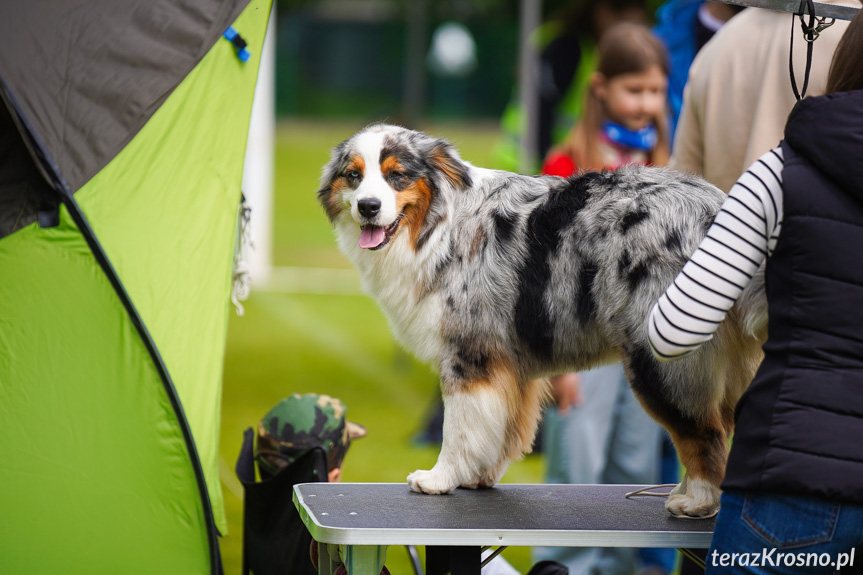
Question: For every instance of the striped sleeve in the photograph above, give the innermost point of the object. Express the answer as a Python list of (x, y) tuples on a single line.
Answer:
[(743, 234)]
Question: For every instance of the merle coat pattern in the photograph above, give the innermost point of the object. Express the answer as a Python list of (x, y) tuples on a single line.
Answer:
[(500, 280)]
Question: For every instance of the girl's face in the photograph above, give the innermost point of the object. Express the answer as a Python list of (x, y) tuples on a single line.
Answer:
[(632, 100)]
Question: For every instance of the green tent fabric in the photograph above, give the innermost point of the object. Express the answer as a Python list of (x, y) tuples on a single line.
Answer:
[(122, 134)]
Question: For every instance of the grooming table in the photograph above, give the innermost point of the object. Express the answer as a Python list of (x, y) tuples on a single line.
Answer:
[(364, 518)]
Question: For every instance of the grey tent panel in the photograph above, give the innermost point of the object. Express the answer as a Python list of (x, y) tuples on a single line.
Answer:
[(23, 190), (86, 76)]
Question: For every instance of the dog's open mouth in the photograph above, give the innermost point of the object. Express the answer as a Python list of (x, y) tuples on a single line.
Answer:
[(376, 237)]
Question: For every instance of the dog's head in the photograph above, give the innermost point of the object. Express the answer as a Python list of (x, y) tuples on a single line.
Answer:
[(386, 180)]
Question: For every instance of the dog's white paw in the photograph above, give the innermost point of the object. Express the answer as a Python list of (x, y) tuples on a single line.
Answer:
[(700, 501), (431, 481), (687, 506)]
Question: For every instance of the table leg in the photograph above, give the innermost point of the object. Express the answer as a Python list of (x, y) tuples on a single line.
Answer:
[(364, 559), (466, 560), (454, 560), (328, 558)]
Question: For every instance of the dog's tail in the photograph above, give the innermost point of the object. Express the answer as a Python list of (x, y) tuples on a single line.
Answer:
[(751, 307)]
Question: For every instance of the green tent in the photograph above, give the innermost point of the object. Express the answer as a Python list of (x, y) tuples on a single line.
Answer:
[(123, 128)]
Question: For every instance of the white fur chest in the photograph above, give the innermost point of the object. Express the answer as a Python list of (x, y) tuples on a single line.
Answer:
[(393, 278)]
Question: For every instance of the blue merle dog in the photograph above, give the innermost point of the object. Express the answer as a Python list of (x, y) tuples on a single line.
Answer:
[(501, 280)]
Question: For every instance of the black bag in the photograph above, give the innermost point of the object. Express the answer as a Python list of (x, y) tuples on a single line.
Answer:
[(275, 541)]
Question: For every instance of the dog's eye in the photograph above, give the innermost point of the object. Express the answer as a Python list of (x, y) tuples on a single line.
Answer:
[(352, 174), (398, 177)]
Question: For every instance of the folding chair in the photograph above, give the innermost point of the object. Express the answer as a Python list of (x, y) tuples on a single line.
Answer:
[(275, 541)]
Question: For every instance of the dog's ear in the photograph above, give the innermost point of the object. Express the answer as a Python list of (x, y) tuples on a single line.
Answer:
[(327, 194), (449, 166)]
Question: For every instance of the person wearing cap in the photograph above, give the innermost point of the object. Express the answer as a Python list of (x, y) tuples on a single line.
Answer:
[(302, 422), (300, 434)]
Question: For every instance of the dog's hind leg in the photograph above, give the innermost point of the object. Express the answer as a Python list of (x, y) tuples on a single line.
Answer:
[(698, 433), (703, 445), (703, 451), (703, 454), (475, 430)]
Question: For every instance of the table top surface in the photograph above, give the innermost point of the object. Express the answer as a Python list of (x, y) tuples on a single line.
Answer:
[(509, 514)]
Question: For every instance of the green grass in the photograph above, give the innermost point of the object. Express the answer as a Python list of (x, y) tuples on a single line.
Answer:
[(334, 344)]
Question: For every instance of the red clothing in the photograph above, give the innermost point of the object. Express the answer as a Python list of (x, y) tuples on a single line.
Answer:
[(558, 164), (613, 155)]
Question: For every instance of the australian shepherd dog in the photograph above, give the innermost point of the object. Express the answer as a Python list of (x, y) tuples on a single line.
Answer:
[(501, 280)]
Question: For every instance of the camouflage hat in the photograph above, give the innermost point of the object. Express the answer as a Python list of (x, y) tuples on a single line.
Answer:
[(299, 423)]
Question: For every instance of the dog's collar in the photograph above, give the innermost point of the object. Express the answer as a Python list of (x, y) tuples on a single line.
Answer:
[(644, 139)]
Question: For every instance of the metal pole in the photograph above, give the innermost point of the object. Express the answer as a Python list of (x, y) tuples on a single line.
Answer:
[(414, 88), (528, 81)]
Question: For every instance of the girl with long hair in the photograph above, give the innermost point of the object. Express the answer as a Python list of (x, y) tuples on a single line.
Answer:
[(624, 119)]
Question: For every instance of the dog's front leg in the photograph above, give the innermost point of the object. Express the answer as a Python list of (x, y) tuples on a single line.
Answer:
[(476, 415)]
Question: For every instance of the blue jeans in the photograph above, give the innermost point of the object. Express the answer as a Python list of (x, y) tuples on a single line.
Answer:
[(773, 533)]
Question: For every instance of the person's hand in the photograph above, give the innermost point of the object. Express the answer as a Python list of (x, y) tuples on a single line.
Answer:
[(566, 390)]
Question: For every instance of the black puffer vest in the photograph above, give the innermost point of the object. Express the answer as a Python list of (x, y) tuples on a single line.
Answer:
[(799, 425)]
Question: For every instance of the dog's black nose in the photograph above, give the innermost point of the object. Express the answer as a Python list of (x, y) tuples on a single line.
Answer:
[(369, 207)]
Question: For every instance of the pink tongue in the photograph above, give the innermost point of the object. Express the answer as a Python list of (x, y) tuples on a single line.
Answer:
[(371, 237)]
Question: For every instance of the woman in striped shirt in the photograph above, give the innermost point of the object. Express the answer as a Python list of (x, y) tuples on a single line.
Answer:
[(792, 497), (743, 234)]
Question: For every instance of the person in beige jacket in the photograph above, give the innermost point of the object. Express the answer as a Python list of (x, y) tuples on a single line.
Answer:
[(739, 94)]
